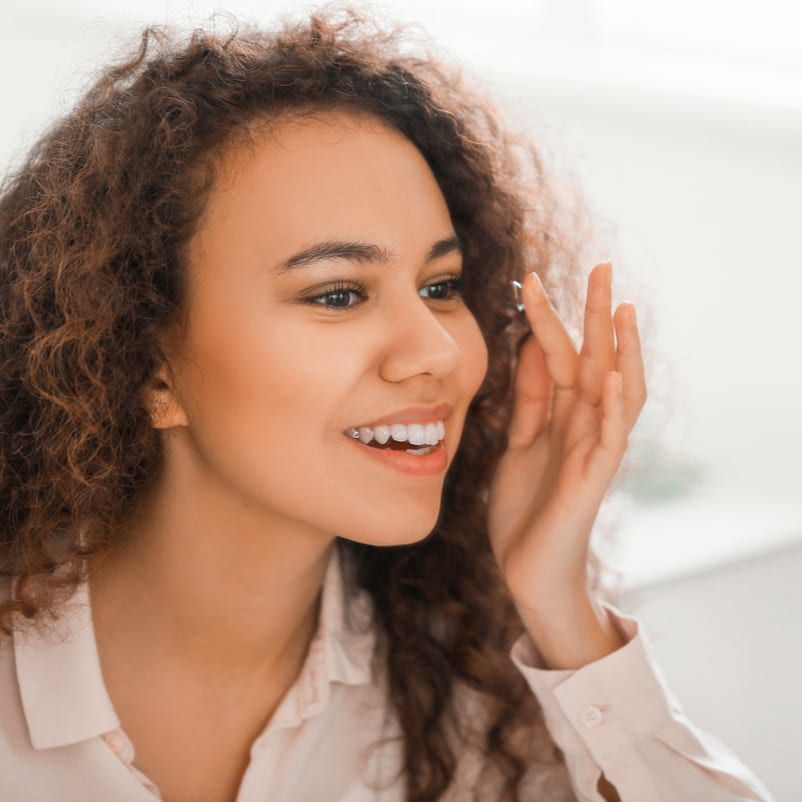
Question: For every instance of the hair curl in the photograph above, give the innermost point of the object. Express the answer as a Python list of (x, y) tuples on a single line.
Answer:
[(94, 227)]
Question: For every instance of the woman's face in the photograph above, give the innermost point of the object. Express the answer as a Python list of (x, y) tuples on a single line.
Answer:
[(269, 379)]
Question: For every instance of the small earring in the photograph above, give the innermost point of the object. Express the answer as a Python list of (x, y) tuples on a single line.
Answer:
[(517, 288)]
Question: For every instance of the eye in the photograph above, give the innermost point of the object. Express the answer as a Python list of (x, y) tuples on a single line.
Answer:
[(454, 286), (341, 290)]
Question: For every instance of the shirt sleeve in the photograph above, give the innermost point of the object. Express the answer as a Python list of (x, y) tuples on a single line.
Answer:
[(618, 715)]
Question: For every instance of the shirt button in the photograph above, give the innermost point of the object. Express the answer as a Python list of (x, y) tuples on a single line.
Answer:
[(592, 716), (118, 743), (113, 740)]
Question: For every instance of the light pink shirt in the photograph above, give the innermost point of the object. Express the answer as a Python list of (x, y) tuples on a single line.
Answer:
[(61, 740)]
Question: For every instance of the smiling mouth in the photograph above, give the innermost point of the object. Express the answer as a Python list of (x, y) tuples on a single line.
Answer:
[(422, 461)]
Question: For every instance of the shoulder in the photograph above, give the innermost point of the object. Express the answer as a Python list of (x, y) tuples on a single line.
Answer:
[(29, 773), (17, 756)]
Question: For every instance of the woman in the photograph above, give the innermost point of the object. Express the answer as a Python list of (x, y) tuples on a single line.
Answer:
[(294, 511)]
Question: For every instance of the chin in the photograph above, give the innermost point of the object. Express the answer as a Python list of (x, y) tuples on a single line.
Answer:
[(408, 538)]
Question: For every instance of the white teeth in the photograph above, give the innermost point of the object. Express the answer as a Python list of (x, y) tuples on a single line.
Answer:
[(381, 433), (417, 434), (399, 432), (419, 452), (433, 434), (422, 434)]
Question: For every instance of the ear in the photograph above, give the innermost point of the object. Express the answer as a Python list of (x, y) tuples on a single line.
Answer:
[(162, 401)]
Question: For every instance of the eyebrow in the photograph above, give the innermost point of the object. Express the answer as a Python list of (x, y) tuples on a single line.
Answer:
[(360, 252)]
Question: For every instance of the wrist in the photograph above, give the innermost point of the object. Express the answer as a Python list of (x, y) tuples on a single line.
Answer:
[(572, 632)]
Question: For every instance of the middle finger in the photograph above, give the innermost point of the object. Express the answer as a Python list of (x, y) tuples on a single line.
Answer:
[(597, 357)]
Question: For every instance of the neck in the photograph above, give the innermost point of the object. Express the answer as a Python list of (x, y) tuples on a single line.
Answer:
[(198, 584)]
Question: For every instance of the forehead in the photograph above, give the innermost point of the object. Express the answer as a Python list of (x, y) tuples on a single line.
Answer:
[(329, 175)]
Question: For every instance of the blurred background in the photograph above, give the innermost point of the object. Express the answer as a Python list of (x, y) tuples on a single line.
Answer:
[(682, 125)]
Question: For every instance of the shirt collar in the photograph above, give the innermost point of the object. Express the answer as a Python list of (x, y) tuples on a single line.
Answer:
[(65, 700)]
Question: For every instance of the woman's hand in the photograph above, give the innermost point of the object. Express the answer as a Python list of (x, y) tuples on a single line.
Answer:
[(567, 436)]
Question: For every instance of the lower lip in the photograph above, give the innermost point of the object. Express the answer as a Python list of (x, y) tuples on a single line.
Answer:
[(427, 465)]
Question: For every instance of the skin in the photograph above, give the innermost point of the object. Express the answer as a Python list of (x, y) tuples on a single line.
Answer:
[(206, 609)]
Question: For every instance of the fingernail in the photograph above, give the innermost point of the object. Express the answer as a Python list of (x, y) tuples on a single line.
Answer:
[(537, 284)]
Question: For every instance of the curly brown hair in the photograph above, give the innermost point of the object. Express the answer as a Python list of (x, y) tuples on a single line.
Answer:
[(94, 226)]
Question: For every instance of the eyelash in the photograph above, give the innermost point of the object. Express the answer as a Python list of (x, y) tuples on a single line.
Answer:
[(456, 283)]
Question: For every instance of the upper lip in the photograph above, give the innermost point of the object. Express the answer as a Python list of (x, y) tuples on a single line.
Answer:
[(413, 415)]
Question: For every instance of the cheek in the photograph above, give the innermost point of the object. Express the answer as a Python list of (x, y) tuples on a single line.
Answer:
[(475, 357), (268, 430), (259, 401)]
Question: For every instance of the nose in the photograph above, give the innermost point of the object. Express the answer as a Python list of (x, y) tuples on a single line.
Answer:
[(418, 339)]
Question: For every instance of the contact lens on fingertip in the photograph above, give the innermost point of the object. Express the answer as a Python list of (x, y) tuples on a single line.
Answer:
[(517, 288)]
